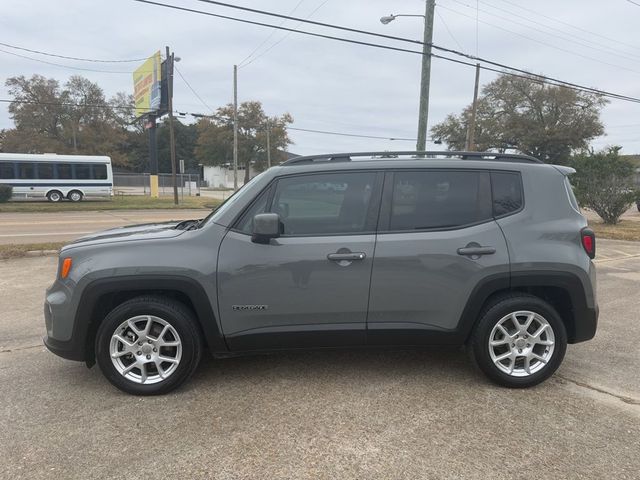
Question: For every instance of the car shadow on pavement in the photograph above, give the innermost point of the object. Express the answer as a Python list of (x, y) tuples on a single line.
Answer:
[(330, 366)]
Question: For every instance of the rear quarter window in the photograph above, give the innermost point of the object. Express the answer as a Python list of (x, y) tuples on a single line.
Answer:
[(507, 194)]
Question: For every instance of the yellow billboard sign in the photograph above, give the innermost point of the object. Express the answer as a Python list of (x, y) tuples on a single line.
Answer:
[(146, 85)]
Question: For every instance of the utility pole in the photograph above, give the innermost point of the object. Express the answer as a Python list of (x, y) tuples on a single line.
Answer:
[(425, 77), (268, 144), (471, 127), (172, 138), (235, 127)]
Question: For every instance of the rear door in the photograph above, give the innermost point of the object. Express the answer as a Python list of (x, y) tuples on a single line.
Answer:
[(310, 286), (437, 242)]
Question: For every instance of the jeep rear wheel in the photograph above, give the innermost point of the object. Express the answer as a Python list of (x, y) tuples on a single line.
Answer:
[(519, 341), (148, 345)]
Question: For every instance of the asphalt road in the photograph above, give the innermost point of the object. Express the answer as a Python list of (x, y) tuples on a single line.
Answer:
[(315, 415), (20, 228)]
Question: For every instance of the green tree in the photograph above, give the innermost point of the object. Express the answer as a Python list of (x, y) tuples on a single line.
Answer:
[(604, 183), (522, 114), (215, 137), (75, 118)]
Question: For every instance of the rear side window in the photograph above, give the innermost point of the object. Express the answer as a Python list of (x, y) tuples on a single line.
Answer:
[(572, 197), (439, 199), (507, 193)]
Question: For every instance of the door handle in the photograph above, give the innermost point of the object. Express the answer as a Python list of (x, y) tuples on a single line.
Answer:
[(476, 251), (349, 257)]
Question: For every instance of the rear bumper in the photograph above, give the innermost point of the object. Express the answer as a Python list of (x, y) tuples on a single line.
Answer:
[(586, 324)]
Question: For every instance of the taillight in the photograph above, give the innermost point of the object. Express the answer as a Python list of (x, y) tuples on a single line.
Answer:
[(588, 239)]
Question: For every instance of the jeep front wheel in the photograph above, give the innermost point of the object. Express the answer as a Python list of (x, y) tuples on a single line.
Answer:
[(519, 341), (148, 345)]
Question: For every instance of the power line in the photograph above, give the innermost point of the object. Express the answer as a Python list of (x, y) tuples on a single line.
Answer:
[(341, 134), (607, 50), (59, 64), (71, 58), (449, 31), (590, 32), (192, 89), (636, 4), (285, 36), (550, 45), (273, 32), (521, 73), (71, 104)]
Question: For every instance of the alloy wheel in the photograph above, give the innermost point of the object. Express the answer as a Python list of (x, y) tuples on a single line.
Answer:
[(145, 349), (521, 343)]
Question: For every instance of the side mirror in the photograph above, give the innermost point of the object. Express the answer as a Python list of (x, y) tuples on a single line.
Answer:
[(265, 227)]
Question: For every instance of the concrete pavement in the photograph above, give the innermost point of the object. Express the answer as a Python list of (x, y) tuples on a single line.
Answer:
[(316, 415), (21, 228)]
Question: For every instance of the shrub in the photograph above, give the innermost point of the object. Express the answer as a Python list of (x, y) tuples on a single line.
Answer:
[(604, 183), (5, 193)]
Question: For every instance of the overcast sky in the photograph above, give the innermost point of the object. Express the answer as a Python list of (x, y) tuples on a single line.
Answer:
[(328, 85)]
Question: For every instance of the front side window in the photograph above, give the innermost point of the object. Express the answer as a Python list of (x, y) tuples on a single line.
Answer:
[(507, 192), (437, 199), (324, 204)]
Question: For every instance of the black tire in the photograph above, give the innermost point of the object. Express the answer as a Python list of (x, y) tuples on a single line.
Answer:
[(170, 311), (54, 196), (75, 196), (497, 310)]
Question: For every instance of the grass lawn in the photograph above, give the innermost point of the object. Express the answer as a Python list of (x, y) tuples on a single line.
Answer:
[(625, 230), (131, 202), (14, 251)]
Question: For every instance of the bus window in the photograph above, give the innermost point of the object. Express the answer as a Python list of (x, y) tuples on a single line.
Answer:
[(83, 171), (45, 171), (26, 171), (6, 171), (100, 172), (64, 171)]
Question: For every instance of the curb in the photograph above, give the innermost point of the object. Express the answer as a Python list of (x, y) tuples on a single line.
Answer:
[(40, 253)]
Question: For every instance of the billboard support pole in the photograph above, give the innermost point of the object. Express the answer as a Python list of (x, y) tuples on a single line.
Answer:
[(153, 157), (172, 138)]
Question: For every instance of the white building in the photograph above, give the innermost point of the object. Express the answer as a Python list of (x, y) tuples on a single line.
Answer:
[(222, 176)]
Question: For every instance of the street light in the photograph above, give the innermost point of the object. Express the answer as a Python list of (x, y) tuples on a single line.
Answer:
[(423, 112), (390, 18)]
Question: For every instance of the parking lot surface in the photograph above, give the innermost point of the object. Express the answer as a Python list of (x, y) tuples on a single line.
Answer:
[(331, 414)]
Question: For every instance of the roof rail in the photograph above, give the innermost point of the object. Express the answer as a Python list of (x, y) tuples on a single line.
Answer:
[(422, 155)]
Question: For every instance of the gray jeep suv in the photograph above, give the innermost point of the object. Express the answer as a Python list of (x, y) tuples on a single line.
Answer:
[(343, 250)]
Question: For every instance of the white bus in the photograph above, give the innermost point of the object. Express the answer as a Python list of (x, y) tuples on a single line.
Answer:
[(56, 177)]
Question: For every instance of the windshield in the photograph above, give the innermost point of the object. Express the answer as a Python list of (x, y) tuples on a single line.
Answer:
[(220, 209)]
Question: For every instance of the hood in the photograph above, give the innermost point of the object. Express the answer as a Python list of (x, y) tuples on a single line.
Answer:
[(147, 231)]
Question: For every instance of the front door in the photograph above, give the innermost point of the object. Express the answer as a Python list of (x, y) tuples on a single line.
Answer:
[(437, 242), (310, 286)]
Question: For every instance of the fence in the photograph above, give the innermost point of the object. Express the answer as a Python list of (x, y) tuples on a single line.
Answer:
[(138, 184)]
